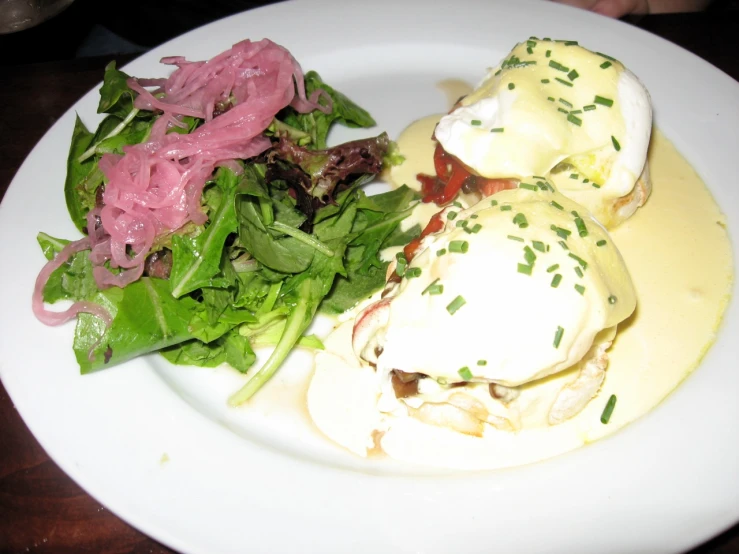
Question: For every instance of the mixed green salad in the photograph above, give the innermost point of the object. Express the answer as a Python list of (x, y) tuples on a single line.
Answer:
[(289, 233)]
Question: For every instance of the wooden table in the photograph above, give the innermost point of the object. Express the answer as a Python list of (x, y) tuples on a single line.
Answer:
[(43, 510)]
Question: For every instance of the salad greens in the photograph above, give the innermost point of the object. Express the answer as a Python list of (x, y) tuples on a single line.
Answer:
[(291, 234)]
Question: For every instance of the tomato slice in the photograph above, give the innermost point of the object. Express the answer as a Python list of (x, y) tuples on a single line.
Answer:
[(451, 175), (434, 225)]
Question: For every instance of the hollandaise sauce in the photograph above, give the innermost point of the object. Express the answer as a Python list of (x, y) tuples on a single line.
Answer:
[(677, 251)]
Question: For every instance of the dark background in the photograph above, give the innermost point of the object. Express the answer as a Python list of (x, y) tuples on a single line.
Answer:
[(43, 71), (101, 28)]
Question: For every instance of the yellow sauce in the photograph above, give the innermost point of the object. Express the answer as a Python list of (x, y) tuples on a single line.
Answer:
[(678, 252)]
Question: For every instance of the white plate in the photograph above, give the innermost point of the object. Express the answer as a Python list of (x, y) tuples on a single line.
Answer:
[(260, 479)]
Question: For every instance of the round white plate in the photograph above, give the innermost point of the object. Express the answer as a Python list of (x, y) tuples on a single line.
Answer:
[(158, 446)]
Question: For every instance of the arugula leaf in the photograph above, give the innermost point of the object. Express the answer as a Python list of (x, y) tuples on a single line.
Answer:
[(316, 124), (375, 228), (197, 261), (346, 111), (74, 279)]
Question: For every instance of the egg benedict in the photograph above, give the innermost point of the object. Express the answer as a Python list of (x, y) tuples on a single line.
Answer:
[(558, 110), (500, 296)]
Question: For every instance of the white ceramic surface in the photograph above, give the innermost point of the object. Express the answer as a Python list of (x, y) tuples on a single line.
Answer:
[(261, 479)]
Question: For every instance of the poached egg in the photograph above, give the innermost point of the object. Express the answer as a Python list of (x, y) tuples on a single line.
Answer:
[(557, 110)]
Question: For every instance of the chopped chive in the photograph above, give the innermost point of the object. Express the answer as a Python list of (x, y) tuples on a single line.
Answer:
[(441, 252), (612, 299), (541, 185), (511, 86), (435, 289), (538, 245), (605, 65), (465, 373), (455, 304), (476, 122), (457, 204), (497, 130), (400, 256), (566, 83), (451, 215), (601, 242), (608, 410), (574, 176), (572, 75), (581, 229), (570, 43), (574, 212), (461, 223), (556, 280), (529, 255), (400, 269), (616, 145), (498, 72), (603, 101), (558, 66), (476, 228), (580, 289), (525, 269), (482, 362), (558, 336), (602, 55), (432, 284), (556, 205), (545, 81), (520, 220), (578, 271), (474, 216), (551, 268), (589, 107), (574, 119), (561, 233), (539, 177), (586, 180), (579, 260), (563, 244), (506, 208), (493, 203), (576, 112), (459, 246), (529, 50), (550, 98), (565, 102), (562, 110), (527, 186), (596, 186), (531, 42), (514, 237), (413, 272), (548, 53)]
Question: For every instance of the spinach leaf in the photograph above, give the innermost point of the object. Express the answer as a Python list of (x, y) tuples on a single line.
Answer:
[(146, 318), (284, 254), (83, 178), (232, 348), (115, 96)]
